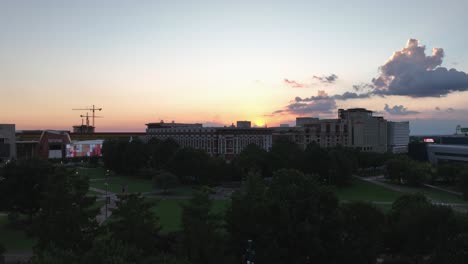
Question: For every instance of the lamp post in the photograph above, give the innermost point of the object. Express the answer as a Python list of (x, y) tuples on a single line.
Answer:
[(107, 184), (250, 252)]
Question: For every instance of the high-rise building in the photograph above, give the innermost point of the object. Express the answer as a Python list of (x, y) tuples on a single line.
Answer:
[(398, 136), (7, 142)]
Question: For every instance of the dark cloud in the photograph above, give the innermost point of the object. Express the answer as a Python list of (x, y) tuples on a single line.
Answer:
[(398, 110), (321, 103), (437, 108), (327, 79), (294, 84), (409, 72)]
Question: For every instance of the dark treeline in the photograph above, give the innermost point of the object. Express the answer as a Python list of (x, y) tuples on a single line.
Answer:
[(333, 165), (291, 218)]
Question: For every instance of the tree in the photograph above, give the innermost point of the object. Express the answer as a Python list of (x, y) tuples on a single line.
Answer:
[(124, 156), (397, 169), (449, 172), (55, 255), (2, 251), (134, 223), (363, 232), (418, 173), (191, 165), (417, 228), (162, 152), (200, 224), (66, 220), (294, 220), (316, 161), (463, 182), (340, 167), (165, 180), (22, 185), (253, 159), (109, 251), (285, 154)]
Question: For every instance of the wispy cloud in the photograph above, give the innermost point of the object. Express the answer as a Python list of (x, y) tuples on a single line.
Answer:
[(327, 79), (294, 84)]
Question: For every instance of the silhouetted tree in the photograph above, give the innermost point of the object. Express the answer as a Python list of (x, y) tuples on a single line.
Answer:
[(135, 224), (66, 220), (200, 224), (363, 232), (22, 184)]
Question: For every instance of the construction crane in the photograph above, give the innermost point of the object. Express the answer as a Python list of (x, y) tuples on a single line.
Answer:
[(93, 110), (87, 118)]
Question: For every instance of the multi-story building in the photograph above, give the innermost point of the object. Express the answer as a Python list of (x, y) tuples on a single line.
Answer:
[(447, 153), (7, 142), (217, 141), (355, 127), (398, 136)]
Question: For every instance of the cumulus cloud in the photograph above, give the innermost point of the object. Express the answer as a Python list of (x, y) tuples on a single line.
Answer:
[(321, 103), (327, 79), (294, 84), (409, 72), (398, 110)]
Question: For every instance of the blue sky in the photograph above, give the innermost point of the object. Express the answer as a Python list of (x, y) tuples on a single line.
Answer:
[(216, 61)]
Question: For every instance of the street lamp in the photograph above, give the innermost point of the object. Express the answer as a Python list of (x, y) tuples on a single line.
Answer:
[(107, 184)]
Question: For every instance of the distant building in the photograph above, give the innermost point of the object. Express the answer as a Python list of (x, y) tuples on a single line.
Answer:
[(447, 153), (7, 142), (302, 121), (224, 142), (83, 129), (244, 124), (355, 127), (398, 136), (45, 144)]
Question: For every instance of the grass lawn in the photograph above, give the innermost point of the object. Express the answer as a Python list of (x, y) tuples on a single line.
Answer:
[(116, 183), (12, 239), (93, 173), (364, 191), (436, 195), (170, 212)]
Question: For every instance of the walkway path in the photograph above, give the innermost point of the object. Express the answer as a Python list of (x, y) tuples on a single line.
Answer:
[(443, 189), (17, 257), (105, 212)]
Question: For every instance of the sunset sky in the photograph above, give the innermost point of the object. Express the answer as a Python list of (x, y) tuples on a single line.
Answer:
[(216, 62)]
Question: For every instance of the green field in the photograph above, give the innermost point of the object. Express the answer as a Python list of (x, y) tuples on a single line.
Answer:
[(433, 194), (12, 239), (365, 191), (170, 212)]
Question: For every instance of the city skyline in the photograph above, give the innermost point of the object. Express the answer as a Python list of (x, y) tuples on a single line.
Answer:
[(216, 63)]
